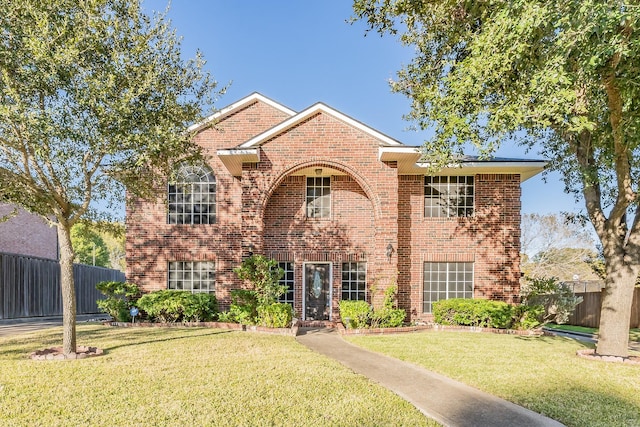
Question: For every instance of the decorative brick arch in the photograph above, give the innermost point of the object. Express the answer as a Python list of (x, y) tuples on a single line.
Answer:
[(371, 195)]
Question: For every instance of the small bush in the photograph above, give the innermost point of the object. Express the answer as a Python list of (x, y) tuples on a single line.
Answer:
[(176, 306), (388, 317), (355, 314), (556, 298), (276, 315), (120, 297), (473, 312), (264, 276), (526, 316), (243, 309)]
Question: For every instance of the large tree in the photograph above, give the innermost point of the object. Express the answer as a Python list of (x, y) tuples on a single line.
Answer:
[(561, 73), (95, 98)]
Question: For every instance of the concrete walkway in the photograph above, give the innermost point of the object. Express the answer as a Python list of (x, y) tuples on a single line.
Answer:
[(447, 401), (9, 327)]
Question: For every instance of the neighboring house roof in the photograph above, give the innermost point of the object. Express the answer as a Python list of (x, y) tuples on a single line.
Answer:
[(407, 157)]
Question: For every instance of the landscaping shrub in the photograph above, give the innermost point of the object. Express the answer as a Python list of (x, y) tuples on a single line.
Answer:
[(526, 316), (276, 315), (355, 314), (243, 309), (556, 298), (472, 312), (388, 317), (359, 314), (175, 306), (258, 305), (121, 296), (264, 276)]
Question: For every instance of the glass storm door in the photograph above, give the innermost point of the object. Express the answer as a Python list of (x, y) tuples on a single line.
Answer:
[(317, 278)]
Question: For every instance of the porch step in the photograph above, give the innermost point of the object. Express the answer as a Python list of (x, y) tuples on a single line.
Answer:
[(316, 324)]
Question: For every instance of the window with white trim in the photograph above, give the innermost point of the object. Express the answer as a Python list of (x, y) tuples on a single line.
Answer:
[(448, 196), (318, 197), (446, 280), (192, 276), (354, 281), (192, 198), (287, 280)]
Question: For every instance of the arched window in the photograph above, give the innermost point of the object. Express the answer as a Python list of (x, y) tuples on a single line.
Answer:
[(192, 198)]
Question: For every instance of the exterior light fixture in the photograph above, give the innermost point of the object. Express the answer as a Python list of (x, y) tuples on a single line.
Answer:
[(389, 251)]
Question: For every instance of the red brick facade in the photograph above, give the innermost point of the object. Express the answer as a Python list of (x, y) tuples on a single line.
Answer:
[(376, 203)]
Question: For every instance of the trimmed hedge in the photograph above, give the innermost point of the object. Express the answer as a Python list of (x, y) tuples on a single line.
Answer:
[(179, 306), (355, 314), (276, 315), (473, 312)]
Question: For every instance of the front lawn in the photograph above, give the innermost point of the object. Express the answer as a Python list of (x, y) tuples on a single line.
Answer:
[(541, 373), (190, 376)]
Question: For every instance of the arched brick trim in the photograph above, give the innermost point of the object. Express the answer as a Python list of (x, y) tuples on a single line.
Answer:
[(377, 212)]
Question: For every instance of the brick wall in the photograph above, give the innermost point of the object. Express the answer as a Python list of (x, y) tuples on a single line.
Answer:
[(27, 234), (490, 239), (263, 211)]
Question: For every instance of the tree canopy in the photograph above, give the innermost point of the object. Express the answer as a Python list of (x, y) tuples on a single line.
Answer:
[(88, 246), (94, 98), (559, 73)]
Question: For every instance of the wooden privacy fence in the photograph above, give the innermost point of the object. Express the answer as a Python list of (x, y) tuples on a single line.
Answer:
[(30, 287), (587, 313)]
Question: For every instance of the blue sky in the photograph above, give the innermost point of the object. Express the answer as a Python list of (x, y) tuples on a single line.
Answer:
[(301, 52)]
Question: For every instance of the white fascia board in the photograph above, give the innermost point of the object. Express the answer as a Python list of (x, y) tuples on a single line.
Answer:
[(314, 109), (238, 105), (490, 164), (249, 153)]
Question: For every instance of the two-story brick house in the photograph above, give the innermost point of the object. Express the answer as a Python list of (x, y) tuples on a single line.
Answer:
[(344, 208)]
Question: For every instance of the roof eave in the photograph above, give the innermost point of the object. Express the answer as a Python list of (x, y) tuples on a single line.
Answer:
[(234, 158), (526, 169)]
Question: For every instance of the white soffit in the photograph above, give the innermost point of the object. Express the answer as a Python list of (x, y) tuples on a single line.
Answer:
[(254, 97), (525, 168), (314, 109), (234, 158)]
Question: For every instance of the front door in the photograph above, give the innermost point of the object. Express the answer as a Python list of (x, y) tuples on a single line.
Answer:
[(317, 281)]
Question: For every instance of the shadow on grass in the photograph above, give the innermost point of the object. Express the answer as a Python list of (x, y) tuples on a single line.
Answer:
[(106, 338), (554, 340)]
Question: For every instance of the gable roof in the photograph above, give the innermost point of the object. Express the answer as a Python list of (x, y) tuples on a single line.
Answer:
[(385, 141), (247, 100), (407, 157)]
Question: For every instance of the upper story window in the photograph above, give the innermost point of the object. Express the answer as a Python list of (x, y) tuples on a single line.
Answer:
[(318, 197), (192, 198), (448, 196)]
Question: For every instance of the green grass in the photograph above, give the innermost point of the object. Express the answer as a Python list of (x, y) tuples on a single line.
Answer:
[(541, 373), (190, 376), (634, 334)]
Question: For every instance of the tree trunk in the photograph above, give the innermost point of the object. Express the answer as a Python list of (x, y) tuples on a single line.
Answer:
[(68, 288), (615, 315)]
